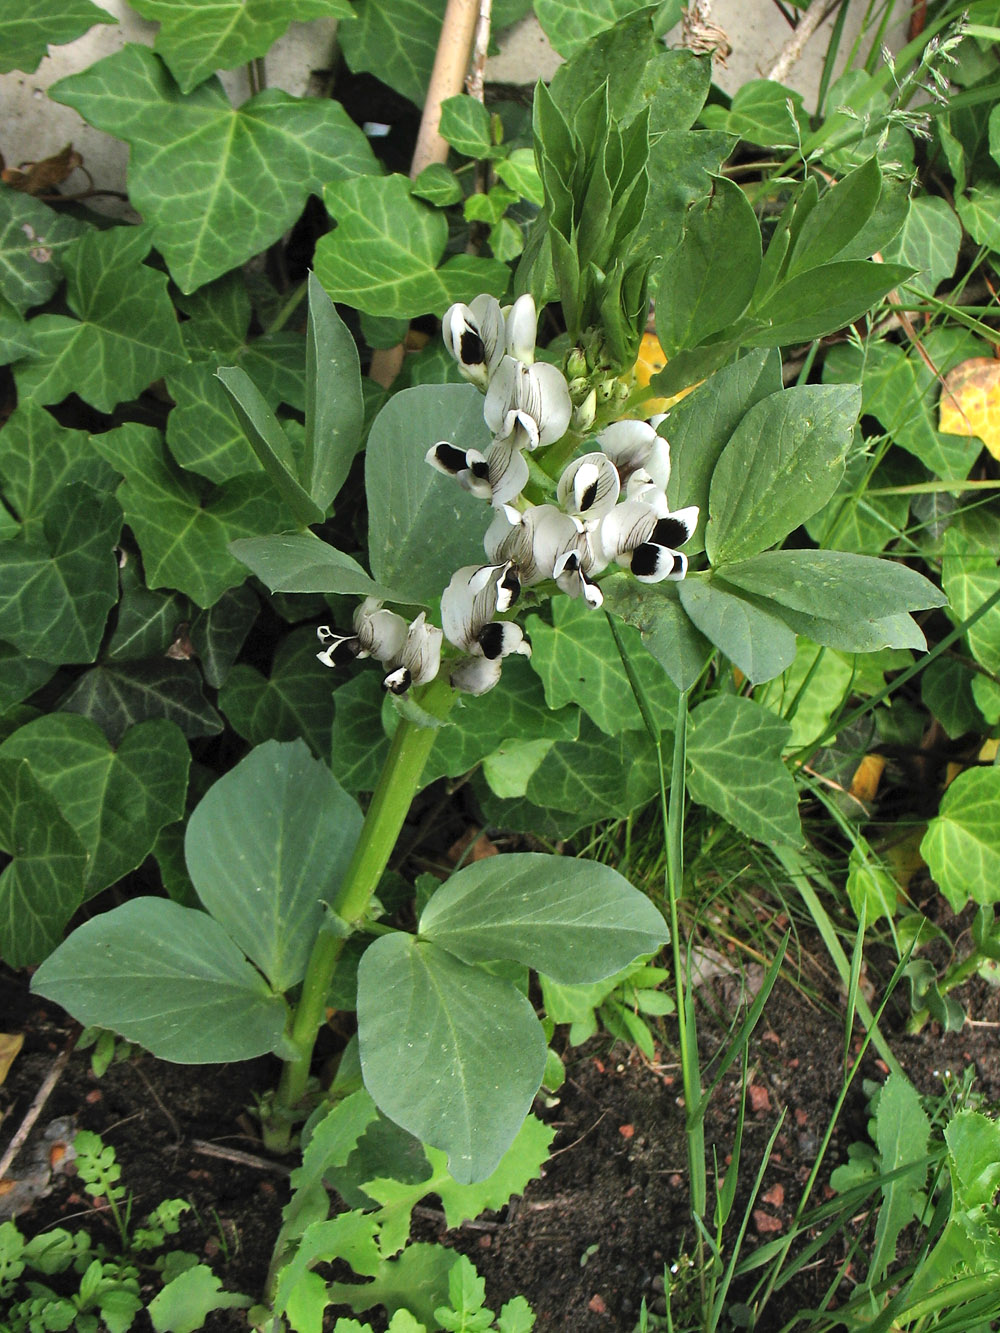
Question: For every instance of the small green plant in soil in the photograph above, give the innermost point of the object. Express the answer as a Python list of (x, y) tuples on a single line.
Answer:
[(95, 1287)]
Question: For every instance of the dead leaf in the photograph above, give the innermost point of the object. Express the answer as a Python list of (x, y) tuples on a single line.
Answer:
[(42, 177), (10, 1044), (970, 401), (864, 784)]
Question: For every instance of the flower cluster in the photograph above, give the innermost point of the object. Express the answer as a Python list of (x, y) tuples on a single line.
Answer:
[(609, 506)]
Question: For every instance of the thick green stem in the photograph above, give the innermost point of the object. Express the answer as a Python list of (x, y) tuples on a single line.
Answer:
[(391, 800)]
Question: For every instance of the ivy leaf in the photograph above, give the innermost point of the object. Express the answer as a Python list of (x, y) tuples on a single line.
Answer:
[(116, 801), (900, 391), (55, 594), (184, 538), (396, 40), (196, 39), (734, 750), (42, 886), (962, 842), (38, 457), (570, 24), (119, 695), (218, 183), (26, 34), (294, 701), (596, 776), (146, 623), (33, 239), (578, 662), (439, 1040), (126, 334), (218, 633), (168, 978), (383, 255)]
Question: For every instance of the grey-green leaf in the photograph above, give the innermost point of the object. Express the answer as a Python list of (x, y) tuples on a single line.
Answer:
[(302, 562), (335, 410), (577, 921), (752, 637), (266, 847), (706, 283), (422, 525), (168, 978), (450, 1052), (783, 462)]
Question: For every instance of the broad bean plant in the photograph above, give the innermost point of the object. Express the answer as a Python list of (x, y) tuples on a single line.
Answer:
[(561, 565)]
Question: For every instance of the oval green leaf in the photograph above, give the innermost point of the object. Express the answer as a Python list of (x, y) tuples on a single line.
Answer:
[(168, 978), (577, 921), (449, 1052), (266, 847)]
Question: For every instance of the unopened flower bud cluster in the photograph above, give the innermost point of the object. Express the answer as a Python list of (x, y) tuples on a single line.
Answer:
[(611, 506)]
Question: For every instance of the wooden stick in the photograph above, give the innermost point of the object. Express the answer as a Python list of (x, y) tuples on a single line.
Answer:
[(815, 15), (35, 1109), (447, 80)]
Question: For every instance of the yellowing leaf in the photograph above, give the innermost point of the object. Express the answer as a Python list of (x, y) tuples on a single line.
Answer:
[(650, 362), (970, 401), (10, 1044)]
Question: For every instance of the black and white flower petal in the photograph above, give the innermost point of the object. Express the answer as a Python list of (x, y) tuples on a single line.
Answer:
[(419, 659), (589, 487), (468, 466), (643, 540), (338, 648), (474, 596), (476, 675), (475, 335), (573, 579)]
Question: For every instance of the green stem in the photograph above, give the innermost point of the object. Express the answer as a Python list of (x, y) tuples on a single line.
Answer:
[(390, 803)]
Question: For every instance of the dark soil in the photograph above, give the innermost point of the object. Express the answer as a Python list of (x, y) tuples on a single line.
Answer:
[(587, 1241)]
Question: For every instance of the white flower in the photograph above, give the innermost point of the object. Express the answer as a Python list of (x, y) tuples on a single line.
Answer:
[(520, 326), (411, 654), (478, 334), (635, 445), (527, 406), (589, 487), (474, 334), (545, 543), (499, 475), (474, 596), (418, 660), (377, 633), (644, 540)]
